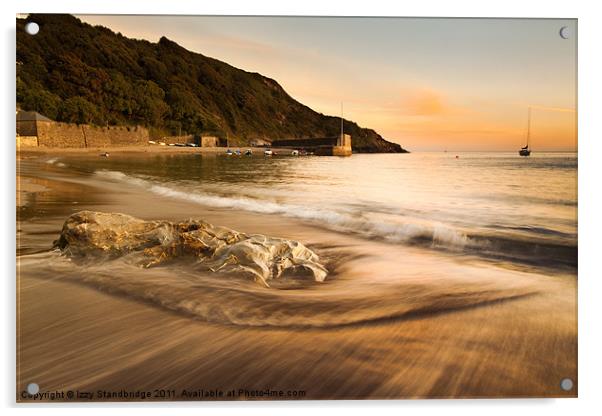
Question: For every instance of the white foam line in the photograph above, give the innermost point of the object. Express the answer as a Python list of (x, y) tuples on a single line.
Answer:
[(342, 222)]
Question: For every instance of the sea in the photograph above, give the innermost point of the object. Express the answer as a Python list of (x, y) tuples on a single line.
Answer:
[(398, 233), (497, 205)]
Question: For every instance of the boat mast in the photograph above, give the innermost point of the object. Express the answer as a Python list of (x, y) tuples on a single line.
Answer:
[(342, 123), (529, 127)]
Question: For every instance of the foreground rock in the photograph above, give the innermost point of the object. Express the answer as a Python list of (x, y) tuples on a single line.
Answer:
[(97, 236)]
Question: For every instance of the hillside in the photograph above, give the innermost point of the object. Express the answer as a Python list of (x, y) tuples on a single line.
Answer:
[(74, 72)]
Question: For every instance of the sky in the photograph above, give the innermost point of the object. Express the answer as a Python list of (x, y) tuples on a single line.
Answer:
[(426, 83)]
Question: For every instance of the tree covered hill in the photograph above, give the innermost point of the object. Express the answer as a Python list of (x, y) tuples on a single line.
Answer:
[(74, 72)]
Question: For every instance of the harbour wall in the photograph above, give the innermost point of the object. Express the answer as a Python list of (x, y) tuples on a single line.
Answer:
[(27, 141), (63, 135), (189, 138), (325, 146), (202, 141)]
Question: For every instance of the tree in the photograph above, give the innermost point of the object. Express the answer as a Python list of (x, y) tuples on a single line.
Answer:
[(79, 110), (38, 99), (150, 107)]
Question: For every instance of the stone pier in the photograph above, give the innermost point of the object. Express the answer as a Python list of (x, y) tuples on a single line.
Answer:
[(321, 146)]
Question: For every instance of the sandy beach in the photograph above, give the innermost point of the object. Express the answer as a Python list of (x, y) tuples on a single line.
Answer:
[(490, 332)]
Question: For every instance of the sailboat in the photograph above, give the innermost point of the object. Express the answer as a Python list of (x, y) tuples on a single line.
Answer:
[(525, 151)]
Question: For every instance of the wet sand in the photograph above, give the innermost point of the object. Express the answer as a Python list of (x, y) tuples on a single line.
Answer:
[(79, 335)]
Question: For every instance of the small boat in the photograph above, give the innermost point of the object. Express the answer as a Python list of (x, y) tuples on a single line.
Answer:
[(268, 152), (525, 151), (237, 152), (295, 153), (105, 154), (248, 152)]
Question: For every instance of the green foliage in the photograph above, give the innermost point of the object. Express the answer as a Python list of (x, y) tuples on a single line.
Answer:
[(79, 110), (74, 72), (36, 98)]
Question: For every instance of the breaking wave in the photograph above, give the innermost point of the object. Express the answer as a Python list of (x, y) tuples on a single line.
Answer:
[(55, 161), (337, 221), (541, 249)]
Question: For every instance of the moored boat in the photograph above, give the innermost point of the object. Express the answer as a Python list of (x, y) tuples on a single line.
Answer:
[(525, 151)]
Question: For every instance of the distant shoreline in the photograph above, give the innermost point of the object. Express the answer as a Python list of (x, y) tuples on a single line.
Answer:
[(158, 149), (138, 149)]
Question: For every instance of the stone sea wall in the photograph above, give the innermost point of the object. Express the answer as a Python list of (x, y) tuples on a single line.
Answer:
[(115, 136), (60, 135), (27, 141), (51, 134), (178, 139), (210, 141), (203, 141)]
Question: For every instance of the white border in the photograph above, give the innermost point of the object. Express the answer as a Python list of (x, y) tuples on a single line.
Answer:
[(590, 152)]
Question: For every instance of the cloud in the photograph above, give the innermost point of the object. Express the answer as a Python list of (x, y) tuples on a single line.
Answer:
[(422, 102), (459, 128)]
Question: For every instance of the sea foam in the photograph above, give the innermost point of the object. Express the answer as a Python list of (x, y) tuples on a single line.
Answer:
[(433, 233)]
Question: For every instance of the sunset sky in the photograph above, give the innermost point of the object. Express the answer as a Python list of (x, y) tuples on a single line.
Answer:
[(428, 84)]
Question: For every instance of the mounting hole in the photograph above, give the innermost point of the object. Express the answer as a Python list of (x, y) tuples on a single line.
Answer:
[(32, 28), (566, 384), (33, 388), (565, 32)]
